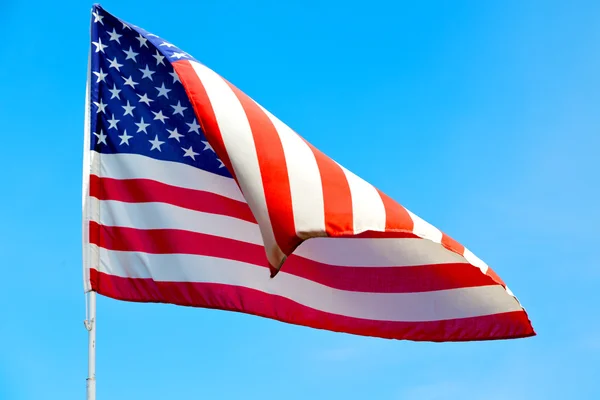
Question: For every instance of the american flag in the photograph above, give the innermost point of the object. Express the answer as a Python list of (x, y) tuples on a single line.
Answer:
[(195, 195)]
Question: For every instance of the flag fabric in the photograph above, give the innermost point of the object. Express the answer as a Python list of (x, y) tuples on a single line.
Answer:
[(195, 195)]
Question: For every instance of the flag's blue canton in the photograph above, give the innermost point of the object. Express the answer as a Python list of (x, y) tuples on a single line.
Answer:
[(138, 104)]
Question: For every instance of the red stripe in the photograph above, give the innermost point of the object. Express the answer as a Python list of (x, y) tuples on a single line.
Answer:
[(492, 274), (250, 301), (146, 190), (397, 219), (452, 244), (456, 247), (203, 109), (359, 279), (337, 198), (274, 173)]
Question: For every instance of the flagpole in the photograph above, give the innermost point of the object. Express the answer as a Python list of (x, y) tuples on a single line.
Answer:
[(90, 311), (90, 325)]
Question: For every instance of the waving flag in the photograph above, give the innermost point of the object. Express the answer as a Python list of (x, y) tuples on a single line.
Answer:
[(193, 192)]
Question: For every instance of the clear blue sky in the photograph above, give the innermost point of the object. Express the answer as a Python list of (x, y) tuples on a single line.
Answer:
[(481, 117)]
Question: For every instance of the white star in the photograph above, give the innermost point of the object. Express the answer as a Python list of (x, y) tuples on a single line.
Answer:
[(207, 146), (190, 153), (115, 92), (163, 91), (115, 36), (100, 106), (113, 122), (142, 126), (99, 46), (115, 64), (178, 109), (175, 76), (129, 81), (156, 143), (101, 75), (221, 165), (142, 40), (98, 17), (128, 109), (147, 72), (145, 99), (101, 137), (167, 44), (159, 58), (194, 127), (173, 134), (125, 138), (125, 26), (179, 55), (131, 54), (159, 116)]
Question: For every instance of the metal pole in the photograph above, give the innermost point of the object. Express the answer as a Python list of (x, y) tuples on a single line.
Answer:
[(90, 321), (90, 325)]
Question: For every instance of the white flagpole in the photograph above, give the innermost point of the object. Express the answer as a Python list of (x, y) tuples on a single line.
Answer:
[(90, 325), (90, 321)]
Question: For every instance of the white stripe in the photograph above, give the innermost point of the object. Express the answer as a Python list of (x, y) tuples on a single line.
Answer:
[(239, 144), (476, 261), (424, 229), (166, 216), (378, 252), (333, 251), (305, 181), (410, 307), (134, 166), (368, 211)]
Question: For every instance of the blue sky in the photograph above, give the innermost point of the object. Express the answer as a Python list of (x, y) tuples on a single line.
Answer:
[(481, 117)]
